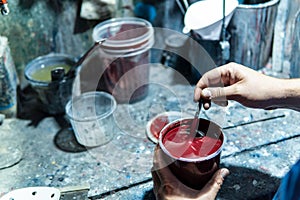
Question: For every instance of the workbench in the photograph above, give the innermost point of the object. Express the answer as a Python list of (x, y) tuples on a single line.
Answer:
[(261, 147)]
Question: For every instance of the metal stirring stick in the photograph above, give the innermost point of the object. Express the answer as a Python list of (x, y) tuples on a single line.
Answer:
[(195, 124)]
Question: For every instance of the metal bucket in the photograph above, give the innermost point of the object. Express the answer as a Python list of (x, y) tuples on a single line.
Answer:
[(251, 29)]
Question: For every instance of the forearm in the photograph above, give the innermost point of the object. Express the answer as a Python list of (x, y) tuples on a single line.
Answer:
[(290, 94)]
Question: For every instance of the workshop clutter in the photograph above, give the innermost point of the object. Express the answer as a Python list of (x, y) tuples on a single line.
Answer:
[(238, 31), (8, 81)]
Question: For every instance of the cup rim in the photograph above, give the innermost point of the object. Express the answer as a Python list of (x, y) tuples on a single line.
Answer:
[(262, 5), (68, 106), (208, 157)]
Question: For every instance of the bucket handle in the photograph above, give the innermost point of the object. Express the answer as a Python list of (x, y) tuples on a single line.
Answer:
[(72, 71)]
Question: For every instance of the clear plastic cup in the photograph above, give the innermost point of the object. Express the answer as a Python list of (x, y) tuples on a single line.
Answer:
[(91, 117)]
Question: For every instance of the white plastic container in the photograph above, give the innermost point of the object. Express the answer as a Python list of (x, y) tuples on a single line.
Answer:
[(33, 193)]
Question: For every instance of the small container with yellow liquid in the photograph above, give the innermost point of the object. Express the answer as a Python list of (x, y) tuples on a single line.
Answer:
[(53, 94)]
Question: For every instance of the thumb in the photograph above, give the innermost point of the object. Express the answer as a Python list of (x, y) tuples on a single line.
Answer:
[(219, 95), (212, 188)]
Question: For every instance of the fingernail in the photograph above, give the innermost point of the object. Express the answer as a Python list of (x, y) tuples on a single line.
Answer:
[(224, 172), (206, 93)]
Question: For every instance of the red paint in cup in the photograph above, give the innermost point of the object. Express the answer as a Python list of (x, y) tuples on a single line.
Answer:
[(193, 160)]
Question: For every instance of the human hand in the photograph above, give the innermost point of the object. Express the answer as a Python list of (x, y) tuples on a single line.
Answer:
[(242, 84), (167, 186)]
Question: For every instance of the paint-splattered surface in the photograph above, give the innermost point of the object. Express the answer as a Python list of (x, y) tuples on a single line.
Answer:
[(261, 147)]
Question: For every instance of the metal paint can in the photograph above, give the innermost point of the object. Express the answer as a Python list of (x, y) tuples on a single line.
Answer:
[(191, 159), (252, 29), (295, 59)]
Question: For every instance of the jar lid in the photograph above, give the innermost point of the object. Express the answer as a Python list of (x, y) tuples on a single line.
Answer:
[(157, 123), (124, 35)]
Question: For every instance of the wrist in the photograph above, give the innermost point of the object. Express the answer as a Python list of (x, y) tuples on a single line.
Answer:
[(289, 96)]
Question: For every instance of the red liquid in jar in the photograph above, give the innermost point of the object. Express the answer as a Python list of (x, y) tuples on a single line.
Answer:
[(179, 143), (126, 32), (126, 87)]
